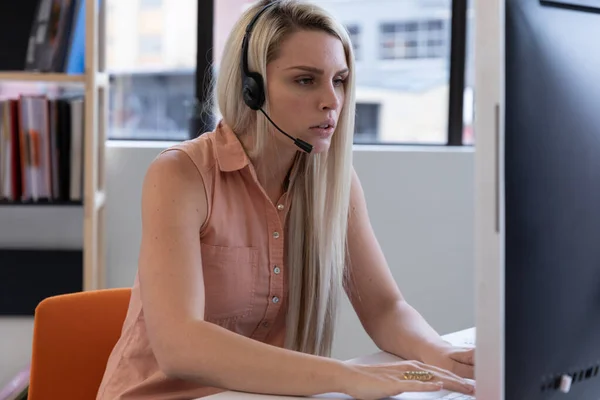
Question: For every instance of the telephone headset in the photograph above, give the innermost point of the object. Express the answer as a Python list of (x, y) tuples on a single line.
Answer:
[(253, 84)]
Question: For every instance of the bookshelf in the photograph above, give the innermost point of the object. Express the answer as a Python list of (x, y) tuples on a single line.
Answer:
[(87, 265)]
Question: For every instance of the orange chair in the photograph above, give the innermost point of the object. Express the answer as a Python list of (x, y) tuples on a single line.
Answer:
[(73, 335)]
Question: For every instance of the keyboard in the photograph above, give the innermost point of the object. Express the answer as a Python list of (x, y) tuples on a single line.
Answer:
[(457, 396), (443, 395)]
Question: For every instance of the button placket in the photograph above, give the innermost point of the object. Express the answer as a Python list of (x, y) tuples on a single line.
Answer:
[(276, 243)]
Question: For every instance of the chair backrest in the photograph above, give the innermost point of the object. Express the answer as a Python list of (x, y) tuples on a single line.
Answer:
[(73, 336)]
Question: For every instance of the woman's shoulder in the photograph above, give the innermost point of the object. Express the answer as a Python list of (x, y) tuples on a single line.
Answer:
[(199, 151), (182, 168), (174, 185)]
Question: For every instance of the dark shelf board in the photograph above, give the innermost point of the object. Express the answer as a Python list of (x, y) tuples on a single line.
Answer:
[(40, 203), (27, 276)]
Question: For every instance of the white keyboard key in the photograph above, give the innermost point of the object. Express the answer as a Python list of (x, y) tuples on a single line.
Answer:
[(457, 396), (443, 395)]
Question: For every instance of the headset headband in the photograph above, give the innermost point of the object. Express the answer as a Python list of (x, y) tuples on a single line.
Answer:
[(247, 38)]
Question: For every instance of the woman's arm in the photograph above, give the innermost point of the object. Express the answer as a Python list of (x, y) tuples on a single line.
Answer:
[(174, 206)]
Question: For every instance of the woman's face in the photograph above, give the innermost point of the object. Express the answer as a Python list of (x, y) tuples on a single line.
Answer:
[(306, 87)]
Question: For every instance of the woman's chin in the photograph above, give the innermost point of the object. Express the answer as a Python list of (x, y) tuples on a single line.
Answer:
[(320, 145)]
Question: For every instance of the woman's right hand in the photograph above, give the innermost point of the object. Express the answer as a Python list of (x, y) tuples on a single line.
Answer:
[(370, 382)]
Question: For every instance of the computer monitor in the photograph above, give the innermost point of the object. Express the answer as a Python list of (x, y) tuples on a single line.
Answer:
[(537, 132)]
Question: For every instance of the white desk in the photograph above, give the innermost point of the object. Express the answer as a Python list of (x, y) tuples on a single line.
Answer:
[(464, 338)]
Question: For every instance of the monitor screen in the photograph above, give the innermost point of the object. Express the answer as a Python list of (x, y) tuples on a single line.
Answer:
[(551, 200)]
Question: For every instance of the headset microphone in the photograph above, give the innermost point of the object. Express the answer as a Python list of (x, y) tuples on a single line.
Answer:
[(253, 87), (307, 147)]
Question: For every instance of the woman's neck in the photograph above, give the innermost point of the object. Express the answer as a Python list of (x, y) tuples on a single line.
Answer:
[(272, 165)]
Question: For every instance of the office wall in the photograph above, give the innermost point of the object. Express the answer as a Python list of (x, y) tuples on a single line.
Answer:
[(420, 201)]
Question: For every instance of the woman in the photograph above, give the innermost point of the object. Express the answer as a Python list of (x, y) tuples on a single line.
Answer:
[(249, 239)]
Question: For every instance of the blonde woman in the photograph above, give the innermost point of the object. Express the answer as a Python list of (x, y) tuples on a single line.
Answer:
[(250, 238)]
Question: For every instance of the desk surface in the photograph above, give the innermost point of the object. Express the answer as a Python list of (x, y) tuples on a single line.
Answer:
[(464, 338)]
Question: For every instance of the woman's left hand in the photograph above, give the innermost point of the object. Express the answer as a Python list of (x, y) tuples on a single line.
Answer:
[(458, 360)]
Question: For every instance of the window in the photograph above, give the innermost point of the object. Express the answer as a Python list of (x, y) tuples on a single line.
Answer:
[(367, 123), (409, 73), (468, 137), (150, 45), (404, 68), (151, 58), (354, 32), (415, 39), (151, 3)]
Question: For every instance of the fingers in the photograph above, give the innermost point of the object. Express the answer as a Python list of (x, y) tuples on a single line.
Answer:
[(464, 363), (463, 370), (458, 371), (450, 380), (417, 386)]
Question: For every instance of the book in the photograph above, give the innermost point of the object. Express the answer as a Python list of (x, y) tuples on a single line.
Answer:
[(51, 35), (42, 148)]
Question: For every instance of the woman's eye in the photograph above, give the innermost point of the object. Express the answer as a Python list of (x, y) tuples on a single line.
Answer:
[(338, 82), (304, 81)]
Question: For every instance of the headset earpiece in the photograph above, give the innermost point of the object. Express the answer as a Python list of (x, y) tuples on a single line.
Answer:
[(253, 90)]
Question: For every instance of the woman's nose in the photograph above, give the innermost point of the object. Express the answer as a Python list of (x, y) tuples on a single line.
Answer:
[(329, 98)]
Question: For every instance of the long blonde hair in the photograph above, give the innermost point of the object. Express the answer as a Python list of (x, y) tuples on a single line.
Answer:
[(320, 183)]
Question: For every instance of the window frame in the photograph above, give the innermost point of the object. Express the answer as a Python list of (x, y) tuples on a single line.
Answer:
[(458, 58)]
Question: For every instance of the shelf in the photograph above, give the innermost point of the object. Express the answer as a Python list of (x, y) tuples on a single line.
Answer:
[(40, 203), (25, 76), (29, 275), (99, 202)]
